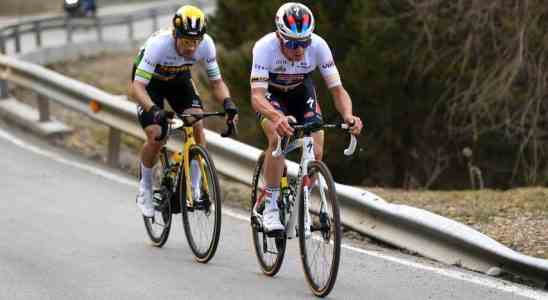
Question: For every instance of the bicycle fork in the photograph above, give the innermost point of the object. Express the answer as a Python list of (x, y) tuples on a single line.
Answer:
[(303, 181)]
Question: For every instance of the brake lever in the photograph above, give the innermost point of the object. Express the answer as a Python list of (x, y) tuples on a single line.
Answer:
[(231, 129), (353, 140)]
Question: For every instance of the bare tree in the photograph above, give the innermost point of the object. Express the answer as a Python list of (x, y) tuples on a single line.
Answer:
[(492, 55)]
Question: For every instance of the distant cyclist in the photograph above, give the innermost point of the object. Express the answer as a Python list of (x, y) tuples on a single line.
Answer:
[(162, 70), (281, 85)]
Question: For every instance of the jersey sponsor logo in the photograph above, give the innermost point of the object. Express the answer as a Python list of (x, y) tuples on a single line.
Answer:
[(256, 79), (259, 67), (286, 79), (328, 65), (163, 70), (310, 102), (281, 62), (148, 62)]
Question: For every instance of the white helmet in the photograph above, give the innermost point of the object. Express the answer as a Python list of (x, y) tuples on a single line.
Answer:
[(294, 21)]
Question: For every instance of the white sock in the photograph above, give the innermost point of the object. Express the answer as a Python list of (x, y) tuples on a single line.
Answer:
[(272, 194), (146, 177), (195, 174)]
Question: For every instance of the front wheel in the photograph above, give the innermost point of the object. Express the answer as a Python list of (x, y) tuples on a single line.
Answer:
[(202, 214), (319, 229)]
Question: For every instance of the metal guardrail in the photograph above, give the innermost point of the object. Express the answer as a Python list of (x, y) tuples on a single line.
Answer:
[(406, 227), (38, 26)]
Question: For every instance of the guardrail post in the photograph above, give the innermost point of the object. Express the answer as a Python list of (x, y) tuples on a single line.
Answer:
[(17, 38), (69, 30), (114, 140), (43, 109), (3, 89), (2, 44), (154, 17), (3, 83), (38, 33), (131, 31), (99, 28)]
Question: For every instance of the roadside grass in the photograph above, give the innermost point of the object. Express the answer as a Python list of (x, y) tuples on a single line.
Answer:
[(17, 7), (517, 218)]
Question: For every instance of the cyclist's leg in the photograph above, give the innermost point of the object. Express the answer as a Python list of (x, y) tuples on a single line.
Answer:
[(273, 170), (149, 154), (273, 166), (151, 147)]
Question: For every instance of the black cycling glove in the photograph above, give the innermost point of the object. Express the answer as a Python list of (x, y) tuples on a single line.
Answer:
[(230, 107), (160, 116)]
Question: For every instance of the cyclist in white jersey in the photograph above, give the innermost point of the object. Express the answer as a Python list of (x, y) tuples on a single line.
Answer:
[(162, 70), (281, 86)]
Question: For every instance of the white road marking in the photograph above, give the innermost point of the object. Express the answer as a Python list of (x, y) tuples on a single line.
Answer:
[(454, 274)]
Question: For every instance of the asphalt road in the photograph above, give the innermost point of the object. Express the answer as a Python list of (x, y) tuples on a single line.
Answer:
[(71, 230)]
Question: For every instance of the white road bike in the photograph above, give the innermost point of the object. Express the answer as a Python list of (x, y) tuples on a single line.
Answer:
[(312, 195)]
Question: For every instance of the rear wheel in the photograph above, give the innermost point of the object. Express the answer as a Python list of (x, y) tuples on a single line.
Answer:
[(319, 229), (270, 250), (158, 227), (202, 218)]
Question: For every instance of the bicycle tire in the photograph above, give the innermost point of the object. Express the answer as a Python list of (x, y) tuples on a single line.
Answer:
[(162, 209), (202, 253), (270, 264), (327, 224)]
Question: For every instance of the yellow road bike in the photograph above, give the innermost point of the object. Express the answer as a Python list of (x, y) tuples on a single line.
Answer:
[(173, 192)]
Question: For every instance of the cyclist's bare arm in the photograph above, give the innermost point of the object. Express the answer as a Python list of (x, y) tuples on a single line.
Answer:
[(139, 93), (219, 89), (261, 105), (343, 104)]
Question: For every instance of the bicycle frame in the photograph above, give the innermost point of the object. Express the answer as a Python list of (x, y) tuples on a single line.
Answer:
[(307, 155), (188, 141)]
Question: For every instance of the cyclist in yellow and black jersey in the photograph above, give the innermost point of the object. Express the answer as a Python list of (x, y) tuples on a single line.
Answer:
[(162, 70)]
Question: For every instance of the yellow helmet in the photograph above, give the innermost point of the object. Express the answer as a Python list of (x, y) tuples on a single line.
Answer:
[(189, 21)]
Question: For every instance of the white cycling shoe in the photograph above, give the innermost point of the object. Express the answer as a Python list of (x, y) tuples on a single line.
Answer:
[(271, 220), (144, 202)]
